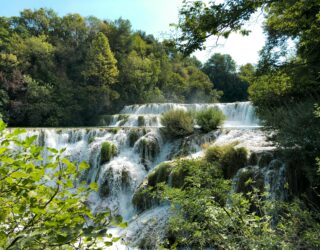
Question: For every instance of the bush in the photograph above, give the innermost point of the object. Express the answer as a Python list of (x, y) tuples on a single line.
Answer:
[(230, 158), (209, 119), (177, 123), (214, 154), (233, 160), (108, 150)]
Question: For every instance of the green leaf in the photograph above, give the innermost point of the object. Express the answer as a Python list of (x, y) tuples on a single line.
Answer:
[(83, 165), (123, 225), (94, 186), (108, 243), (52, 150), (19, 175)]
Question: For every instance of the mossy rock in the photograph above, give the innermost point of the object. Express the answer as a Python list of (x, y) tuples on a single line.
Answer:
[(133, 137), (149, 149), (253, 159), (123, 119), (104, 120), (125, 179), (108, 150), (160, 174), (145, 197), (233, 160), (177, 177), (141, 121), (104, 187), (265, 159), (113, 130), (91, 139), (146, 244), (230, 158)]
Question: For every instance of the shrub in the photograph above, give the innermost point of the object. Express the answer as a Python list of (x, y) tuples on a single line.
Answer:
[(108, 150), (209, 119), (214, 154), (177, 123), (233, 160), (230, 158)]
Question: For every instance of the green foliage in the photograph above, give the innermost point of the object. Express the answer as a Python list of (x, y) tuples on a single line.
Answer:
[(215, 153), (221, 69), (209, 119), (42, 206), (160, 174), (108, 150), (233, 160), (177, 123), (201, 222), (285, 85), (91, 67), (206, 215), (101, 65), (230, 158)]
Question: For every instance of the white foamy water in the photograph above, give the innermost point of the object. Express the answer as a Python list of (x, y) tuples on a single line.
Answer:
[(239, 114), (140, 149)]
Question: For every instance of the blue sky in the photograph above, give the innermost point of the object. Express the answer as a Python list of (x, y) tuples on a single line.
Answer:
[(152, 16)]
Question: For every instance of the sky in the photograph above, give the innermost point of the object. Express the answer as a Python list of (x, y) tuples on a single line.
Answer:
[(152, 16)]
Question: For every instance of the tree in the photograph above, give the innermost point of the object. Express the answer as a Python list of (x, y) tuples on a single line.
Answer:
[(221, 70), (42, 204), (101, 66), (100, 74), (80, 76)]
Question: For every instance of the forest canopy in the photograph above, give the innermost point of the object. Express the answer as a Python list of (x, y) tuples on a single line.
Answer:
[(70, 70)]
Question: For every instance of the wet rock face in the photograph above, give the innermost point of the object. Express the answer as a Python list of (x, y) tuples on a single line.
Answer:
[(265, 159), (253, 159), (133, 136), (271, 178), (125, 179), (148, 147), (141, 121), (104, 187), (144, 198), (192, 143)]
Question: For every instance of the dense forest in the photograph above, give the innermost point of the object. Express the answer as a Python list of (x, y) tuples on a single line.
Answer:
[(68, 71)]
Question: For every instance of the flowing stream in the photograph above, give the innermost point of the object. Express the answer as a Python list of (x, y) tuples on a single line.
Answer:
[(136, 133)]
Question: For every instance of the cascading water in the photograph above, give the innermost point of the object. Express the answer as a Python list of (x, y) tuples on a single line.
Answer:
[(239, 114), (140, 146)]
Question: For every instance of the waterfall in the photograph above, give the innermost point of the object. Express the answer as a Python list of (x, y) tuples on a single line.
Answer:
[(239, 114), (140, 146)]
